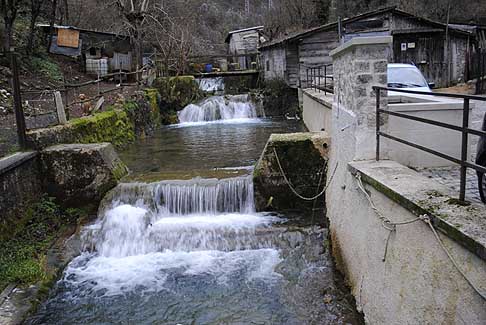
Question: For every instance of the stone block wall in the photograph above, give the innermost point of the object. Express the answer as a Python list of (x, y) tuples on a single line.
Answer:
[(359, 65), (20, 185)]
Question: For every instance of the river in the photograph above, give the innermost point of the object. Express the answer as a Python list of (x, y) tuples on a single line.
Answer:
[(180, 241)]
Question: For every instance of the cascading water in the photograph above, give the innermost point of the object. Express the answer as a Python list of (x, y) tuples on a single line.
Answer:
[(219, 108), (196, 252), (211, 85)]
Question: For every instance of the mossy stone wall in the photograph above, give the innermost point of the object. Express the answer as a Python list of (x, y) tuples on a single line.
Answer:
[(304, 160), (113, 126)]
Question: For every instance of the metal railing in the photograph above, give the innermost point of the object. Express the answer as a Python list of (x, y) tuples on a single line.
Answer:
[(315, 76), (463, 129)]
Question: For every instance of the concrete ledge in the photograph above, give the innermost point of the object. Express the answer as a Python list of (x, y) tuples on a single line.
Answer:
[(320, 97), (464, 224), (10, 162), (361, 41)]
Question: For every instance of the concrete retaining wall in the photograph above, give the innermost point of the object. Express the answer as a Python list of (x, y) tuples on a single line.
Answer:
[(317, 110), (416, 283), (441, 109)]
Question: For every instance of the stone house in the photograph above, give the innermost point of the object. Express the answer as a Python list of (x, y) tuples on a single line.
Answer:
[(440, 52)]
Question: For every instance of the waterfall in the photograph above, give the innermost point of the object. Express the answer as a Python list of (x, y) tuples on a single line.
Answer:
[(211, 85), (194, 215), (219, 108)]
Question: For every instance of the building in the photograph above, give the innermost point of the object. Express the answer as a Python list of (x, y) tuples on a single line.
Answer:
[(439, 51), (100, 52), (243, 45)]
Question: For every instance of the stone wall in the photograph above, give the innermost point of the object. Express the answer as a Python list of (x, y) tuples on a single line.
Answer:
[(81, 174), (113, 126), (359, 65), (78, 175), (303, 158), (20, 185)]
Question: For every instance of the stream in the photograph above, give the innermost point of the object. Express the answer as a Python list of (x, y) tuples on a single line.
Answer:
[(180, 242)]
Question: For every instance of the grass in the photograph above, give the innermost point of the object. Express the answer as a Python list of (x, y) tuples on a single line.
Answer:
[(23, 257), (47, 67)]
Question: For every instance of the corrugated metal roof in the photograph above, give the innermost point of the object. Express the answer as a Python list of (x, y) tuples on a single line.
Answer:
[(330, 26)]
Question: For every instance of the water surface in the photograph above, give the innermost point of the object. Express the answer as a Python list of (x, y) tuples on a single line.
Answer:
[(194, 250)]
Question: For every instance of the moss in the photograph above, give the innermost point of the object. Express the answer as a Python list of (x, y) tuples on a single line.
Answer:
[(177, 92), (120, 171), (154, 99), (458, 202), (111, 126), (23, 256), (279, 99)]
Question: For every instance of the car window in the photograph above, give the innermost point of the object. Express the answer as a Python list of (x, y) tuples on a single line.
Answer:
[(405, 78)]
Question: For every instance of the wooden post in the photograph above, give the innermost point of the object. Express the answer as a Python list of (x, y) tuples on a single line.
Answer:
[(61, 113), (19, 112)]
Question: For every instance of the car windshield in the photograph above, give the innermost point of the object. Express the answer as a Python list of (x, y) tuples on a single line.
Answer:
[(405, 78)]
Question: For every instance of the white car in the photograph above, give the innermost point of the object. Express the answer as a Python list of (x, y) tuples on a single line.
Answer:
[(407, 77)]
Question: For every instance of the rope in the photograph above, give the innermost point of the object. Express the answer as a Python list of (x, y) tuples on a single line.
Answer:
[(293, 189), (386, 222), (482, 294)]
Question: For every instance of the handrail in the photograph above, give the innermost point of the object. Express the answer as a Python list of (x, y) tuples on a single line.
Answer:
[(464, 129), (316, 72)]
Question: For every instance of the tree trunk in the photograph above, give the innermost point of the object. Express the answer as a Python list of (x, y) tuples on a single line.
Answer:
[(33, 20), (7, 37), (52, 21)]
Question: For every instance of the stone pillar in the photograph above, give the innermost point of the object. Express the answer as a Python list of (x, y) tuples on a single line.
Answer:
[(359, 65)]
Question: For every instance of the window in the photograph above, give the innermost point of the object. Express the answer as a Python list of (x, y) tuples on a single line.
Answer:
[(268, 65)]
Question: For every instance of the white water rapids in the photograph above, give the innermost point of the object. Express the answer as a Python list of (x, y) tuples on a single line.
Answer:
[(238, 107), (199, 226), (211, 85)]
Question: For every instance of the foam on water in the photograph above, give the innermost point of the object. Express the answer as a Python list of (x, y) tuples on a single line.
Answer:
[(211, 84), (109, 276), (228, 108), (149, 231)]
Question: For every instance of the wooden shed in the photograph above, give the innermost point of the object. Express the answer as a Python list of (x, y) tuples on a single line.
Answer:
[(243, 45), (440, 52), (91, 45)]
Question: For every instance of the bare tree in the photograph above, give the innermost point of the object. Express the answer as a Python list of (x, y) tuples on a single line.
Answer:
[(9, 9), (35, 10), (134, 13), (173, 40)]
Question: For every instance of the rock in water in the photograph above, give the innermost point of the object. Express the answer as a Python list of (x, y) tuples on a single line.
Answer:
[(79, 174)]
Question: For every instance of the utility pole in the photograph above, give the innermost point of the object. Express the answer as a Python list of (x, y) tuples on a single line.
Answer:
[(247, 7), (19, 112)]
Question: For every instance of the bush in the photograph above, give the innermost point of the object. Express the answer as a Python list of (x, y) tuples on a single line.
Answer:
[(23, 255), (46, 67), (280, 99)]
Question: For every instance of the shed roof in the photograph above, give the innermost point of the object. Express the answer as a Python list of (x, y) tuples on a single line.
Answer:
[(331, 26), (227, 40), (81, 30)]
